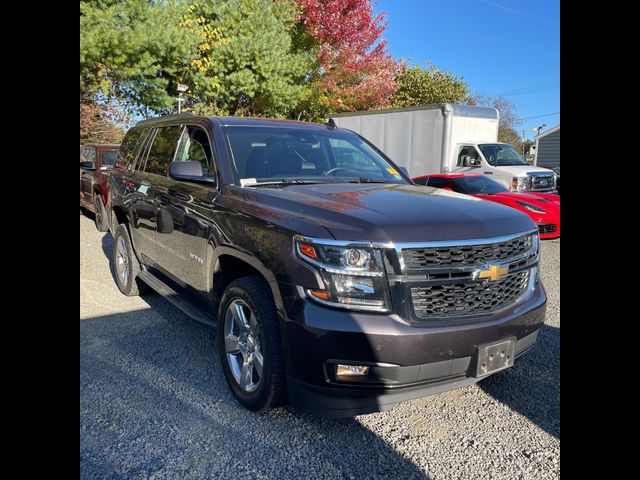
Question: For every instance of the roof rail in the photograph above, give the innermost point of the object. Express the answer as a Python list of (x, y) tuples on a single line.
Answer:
[(168, 116)]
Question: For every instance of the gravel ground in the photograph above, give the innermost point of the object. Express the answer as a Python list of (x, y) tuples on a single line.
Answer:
[(154, 404)]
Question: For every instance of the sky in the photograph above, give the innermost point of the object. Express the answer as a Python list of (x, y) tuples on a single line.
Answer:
[(500, 47)]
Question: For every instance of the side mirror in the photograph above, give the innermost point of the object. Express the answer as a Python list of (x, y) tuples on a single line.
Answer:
[(87, 165), (470, 162), (190, 171)]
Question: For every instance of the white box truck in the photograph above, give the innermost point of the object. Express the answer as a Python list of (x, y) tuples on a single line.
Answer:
[(447, 138)]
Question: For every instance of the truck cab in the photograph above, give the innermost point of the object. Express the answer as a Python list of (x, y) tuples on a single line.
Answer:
[(503, 163)]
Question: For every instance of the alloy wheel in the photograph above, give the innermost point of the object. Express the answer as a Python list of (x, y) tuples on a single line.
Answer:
[(122, 261), (98, 205), (243, 345)]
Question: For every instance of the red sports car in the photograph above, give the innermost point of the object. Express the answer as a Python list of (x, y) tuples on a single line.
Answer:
[(543, 208)]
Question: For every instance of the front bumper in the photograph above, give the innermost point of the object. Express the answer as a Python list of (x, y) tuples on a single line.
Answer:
[(407, 359)]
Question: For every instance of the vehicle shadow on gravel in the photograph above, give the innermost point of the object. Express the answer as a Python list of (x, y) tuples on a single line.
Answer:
[(532, 386), (154, 403)]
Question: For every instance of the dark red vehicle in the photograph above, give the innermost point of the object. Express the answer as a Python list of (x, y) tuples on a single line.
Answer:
[(96, 161), (543, 208)]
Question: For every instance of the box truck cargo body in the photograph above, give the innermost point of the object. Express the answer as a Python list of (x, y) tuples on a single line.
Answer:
[(447, 138)]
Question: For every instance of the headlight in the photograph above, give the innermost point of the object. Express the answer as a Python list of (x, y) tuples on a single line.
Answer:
[(531, 208), (354, 276), (520, 184)]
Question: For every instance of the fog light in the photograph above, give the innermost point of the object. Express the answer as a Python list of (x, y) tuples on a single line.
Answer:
[(351, 370)]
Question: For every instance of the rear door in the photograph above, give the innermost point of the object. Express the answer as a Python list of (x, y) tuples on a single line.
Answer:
[(150, 174)]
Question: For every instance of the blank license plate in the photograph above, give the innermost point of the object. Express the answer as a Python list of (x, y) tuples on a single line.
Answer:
[(493, 357)]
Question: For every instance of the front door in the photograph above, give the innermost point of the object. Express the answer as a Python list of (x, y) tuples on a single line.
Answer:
[(468, 152), (184, 212)]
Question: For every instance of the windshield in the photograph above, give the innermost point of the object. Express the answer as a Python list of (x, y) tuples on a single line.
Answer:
[(108, 158), (499, 155), (293, 154), (479, 185)]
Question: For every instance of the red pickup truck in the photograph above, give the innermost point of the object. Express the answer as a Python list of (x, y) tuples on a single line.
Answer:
[(96, 162)]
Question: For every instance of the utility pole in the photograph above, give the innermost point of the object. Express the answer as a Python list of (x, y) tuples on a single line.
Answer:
[(181, 89)]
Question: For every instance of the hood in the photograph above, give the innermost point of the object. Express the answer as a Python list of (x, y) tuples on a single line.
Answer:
[(546, 201), (391, 212), (523, 170)]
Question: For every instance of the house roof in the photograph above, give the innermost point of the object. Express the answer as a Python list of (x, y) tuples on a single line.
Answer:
[(554, 129)]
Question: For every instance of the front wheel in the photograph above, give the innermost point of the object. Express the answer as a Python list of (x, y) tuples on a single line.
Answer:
[(250, 345)]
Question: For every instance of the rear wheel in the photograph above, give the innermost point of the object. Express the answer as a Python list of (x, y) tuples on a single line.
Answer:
[(250, 345), (126, 264), (101, 215)]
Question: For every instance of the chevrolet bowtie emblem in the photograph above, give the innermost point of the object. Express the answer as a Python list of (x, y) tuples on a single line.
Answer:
[(495, 272)]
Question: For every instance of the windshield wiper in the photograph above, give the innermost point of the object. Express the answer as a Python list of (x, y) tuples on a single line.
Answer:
[(280, 181), (367, 180)]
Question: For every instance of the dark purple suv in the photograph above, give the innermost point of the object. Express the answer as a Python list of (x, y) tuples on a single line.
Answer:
[(333, 281)]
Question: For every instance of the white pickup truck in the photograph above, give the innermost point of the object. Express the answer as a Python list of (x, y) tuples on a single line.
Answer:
[(447, 138)]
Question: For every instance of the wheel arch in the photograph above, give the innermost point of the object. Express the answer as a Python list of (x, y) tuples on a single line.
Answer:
[(227, 264)]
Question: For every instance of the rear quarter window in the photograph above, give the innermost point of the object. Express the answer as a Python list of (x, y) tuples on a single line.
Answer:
[(131, 146)]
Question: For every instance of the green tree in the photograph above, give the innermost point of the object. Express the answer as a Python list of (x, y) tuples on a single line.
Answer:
[(246, 64), (415, 86), (133, 50)]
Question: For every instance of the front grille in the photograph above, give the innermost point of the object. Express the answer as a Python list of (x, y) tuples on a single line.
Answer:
[(422, 258), (542, 182), (468, 298), (546, 228)]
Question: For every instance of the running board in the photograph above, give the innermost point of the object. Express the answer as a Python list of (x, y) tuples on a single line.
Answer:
[(194, 311)]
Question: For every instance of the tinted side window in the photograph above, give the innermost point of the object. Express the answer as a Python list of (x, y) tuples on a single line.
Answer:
[(421, 181), (107, 159), (130, 146), (194, 146), (162, 150), (436, 182), (88, 154)]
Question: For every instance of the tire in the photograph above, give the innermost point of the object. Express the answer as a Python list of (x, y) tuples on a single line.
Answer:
[(123, 256), (102, 223), (263, 388), (114, 222)]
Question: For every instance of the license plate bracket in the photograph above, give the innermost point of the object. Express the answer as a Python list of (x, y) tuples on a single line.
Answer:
[(496, 356)]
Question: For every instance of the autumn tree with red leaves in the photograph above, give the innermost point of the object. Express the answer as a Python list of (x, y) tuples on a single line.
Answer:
[(353, 70)]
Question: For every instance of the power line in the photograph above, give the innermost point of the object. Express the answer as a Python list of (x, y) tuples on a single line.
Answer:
[(539, 116), (532, 89)]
